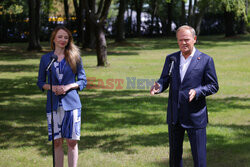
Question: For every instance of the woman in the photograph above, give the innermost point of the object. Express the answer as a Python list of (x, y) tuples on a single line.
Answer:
[(68, 76)]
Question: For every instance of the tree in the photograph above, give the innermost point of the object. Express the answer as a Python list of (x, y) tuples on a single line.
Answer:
[(234, 10), (166, 8), (138, 8), (129, 28), (34, 25), (8, 10), (120, 33), (190, 12), (196, 11), (66, 11), (99, 19), (169, 23), (183, 12), (200, 6), (90, 39), (153, 11), (79, 9), (243, 22)]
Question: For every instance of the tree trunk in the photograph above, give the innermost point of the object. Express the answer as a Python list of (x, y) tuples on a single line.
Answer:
[(154, 8), (243, 28), (101, 46), (190, 14), (193, 17), (81, 21), (229, 24), (164, 26), (99, 19), (194, 7), (183, 13), (199, 16), (138, 24), (66, 11), (38, 24), (34, 25), (3, 32), (169, 23), (158, 28), (138, 6), (90, 38), (130, 29), (198, 21), (120, 34), (77, 10)]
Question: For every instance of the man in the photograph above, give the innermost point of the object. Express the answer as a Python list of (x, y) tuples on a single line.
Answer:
[(193, 78)]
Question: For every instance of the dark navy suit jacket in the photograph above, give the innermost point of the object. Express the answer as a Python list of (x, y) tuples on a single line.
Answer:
[(71, 99), (200, 76)]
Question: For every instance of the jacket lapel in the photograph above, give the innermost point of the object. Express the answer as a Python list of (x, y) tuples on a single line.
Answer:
[(53, 70), (178, 68), (192, 64)]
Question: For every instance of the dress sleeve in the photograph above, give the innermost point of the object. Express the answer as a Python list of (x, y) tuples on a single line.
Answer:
[(41, 74), (81, 76)]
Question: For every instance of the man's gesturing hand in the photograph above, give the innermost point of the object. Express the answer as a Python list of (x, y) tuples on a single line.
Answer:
[(155, 88), (192, 94)]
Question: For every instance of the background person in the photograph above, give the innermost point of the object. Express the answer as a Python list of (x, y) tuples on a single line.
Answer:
[(193, 78), (68, 76)]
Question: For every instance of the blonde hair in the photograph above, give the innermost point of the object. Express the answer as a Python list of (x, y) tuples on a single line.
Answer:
[(186, 27), (71, 52)]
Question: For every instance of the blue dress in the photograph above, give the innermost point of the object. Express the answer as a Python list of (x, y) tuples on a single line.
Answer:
[(67, 124)]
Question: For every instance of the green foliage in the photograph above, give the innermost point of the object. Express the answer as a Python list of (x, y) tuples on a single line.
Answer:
[(202, 4), (12, 7), (248, 23), (236, 6), (47, 6), (113, 9)]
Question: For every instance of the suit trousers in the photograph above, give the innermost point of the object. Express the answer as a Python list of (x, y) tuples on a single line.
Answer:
[(197, 139)]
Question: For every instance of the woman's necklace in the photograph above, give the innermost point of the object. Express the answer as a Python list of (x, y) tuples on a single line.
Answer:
[(60, 58), (61, 66)]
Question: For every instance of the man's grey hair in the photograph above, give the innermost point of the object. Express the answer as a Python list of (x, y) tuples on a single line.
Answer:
[(186, 27)]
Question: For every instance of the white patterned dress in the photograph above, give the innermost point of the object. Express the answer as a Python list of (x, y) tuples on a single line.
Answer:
[(67, 124)]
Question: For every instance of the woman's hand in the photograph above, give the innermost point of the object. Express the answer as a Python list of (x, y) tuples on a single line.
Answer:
[(55, 89), (62, 89)]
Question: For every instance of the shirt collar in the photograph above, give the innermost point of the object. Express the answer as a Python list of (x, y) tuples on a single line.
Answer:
[(192, 54)]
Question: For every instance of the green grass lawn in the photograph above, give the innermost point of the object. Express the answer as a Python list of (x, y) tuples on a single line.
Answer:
[(125, 126)]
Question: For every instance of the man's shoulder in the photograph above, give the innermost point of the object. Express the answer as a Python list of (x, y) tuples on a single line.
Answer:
[(203, 55), (174, 54)]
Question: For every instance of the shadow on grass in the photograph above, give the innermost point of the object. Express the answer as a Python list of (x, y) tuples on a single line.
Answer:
[(112, 53), (18, 68), (129, 48), (227, 103), (203, 42), (23, 120), (220, 148), (117, 109), (19, 52), (121, 142)]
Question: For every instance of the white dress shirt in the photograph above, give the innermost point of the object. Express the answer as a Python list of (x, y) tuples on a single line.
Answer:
[(184, 63)]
